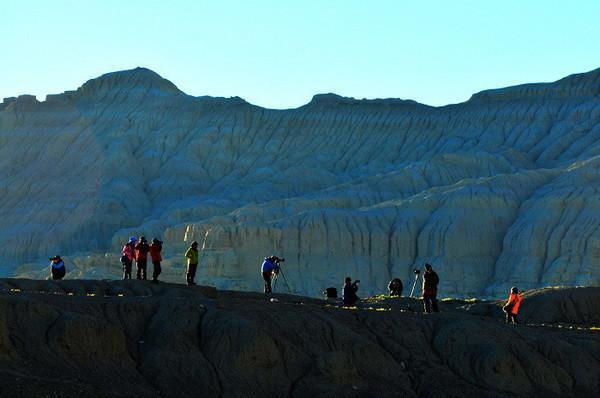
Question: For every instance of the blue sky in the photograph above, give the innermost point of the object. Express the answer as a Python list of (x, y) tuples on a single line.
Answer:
[(279, 54)]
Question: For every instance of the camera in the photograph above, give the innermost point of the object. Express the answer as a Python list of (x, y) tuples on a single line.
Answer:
[(417, 271)]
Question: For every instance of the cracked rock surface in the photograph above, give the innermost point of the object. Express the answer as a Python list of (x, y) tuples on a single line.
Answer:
[(135, 339)]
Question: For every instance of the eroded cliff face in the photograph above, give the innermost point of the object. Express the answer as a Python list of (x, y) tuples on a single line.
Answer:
[(500, 190)]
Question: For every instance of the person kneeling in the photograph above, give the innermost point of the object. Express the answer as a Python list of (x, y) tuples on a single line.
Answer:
[(395, 287)]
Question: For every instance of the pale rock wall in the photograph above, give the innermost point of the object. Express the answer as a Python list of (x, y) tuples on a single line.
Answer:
[(502, 189)]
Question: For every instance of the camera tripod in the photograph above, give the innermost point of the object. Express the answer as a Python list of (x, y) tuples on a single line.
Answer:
[(417, 279), (276, 277)]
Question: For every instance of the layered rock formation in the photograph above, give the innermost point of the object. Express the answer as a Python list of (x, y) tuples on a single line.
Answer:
[(134, 339), (500, 190)]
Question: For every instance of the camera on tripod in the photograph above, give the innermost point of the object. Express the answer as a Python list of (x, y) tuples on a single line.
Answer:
[(277, 260)]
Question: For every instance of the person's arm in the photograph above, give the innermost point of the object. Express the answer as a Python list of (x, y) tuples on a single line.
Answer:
[(188, 253)]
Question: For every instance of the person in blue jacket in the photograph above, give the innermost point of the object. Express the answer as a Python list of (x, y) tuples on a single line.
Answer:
[(57, 267), (269, 267)]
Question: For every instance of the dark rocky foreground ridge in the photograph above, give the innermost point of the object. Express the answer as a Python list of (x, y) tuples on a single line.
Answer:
[(133, 339)]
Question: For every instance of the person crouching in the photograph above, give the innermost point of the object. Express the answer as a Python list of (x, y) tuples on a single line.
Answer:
[(269, 267), (395, 287), (57, 268)]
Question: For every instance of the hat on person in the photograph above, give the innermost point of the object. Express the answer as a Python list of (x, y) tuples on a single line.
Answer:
[(57, 257), (132, 239)]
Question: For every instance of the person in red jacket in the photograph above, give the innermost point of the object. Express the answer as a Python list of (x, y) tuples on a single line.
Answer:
[(431, 281), (512, 306), (141, 257), (128, 257), (155, 249)]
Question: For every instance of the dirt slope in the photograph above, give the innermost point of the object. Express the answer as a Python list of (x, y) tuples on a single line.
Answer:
[(134, 339)]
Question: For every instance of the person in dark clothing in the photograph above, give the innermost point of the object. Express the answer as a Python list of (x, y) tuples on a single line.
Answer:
[(155, 254), (192, 263), (269, 267), (128, 255), (57, 268), (395, 287), (141, 257), (430, 284), (332, 294), (350, 288)]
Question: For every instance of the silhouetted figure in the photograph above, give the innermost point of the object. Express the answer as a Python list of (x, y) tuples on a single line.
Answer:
[(192, 263), (430, 284), (350, 288), (395, 287), (141, 257), (269, 267), (512, 306), (331, 294), (57, 268), (155, 254), (128, 257)]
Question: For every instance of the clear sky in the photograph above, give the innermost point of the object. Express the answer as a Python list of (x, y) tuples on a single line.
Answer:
[(279, 53)]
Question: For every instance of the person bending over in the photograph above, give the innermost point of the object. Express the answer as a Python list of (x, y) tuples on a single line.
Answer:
[(395, 287), (269, 267)]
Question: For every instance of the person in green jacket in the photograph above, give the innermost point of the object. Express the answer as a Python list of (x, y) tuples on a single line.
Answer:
[(192, 262)]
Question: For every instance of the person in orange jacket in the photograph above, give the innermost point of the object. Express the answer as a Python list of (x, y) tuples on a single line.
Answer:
[(512, 306)]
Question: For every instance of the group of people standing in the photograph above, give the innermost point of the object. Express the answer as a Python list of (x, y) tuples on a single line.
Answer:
[(137, 250)]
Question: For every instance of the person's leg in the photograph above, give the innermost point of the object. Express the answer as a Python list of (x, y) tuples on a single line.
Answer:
[(61, 272), (54, 274), (508, 317), (267, 278), (129, 268), (514, 319), (192, 273), (427, 304), (434, 304), (138, 266), (142, 266), (155, 270)]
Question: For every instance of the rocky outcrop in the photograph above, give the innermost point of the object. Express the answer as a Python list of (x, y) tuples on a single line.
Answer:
[(503, 189), (132, 338)]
